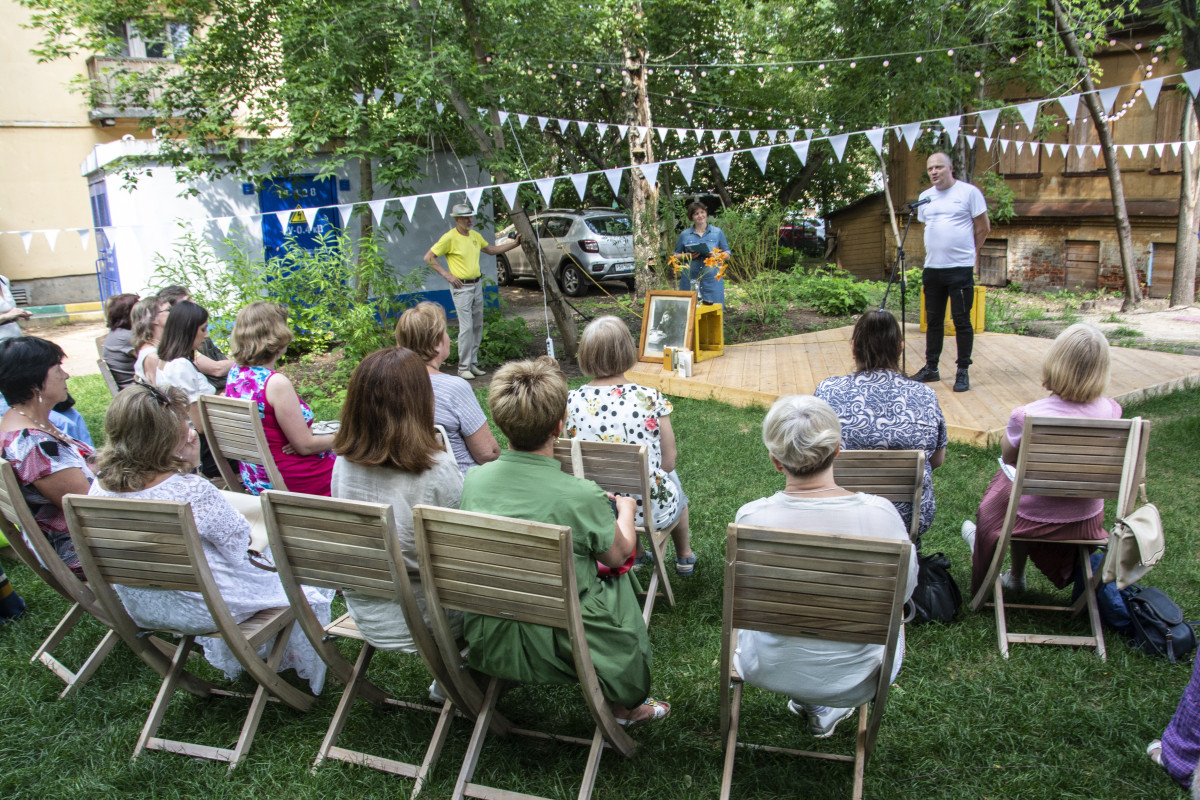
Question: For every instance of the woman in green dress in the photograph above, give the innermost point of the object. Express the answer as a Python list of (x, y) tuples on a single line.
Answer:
[(528, 400)]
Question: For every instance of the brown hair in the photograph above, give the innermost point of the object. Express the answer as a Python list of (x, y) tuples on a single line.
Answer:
[(260, 334), (875, 342), (693, 207), (387, 420), (143, 428), (1076, 365), (421, 328), (116, 311), (142, 318), (606, 348), (173, 294), (528, 398)]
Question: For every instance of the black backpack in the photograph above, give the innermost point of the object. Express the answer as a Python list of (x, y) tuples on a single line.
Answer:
[(1158, 625), (936, 598)]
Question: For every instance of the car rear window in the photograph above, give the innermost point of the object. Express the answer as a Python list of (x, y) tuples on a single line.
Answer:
[(610, 226)]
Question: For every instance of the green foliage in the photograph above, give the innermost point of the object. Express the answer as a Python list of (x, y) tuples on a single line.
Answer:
[(1124, 332), (753, 236), (504, 339), (1000, 195), (765, 296), (1069, 314), (832, 292)]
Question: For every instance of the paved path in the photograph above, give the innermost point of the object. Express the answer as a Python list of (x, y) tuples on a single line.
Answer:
[(79, 342)]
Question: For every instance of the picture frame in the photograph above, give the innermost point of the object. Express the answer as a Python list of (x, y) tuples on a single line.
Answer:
[(668, 320)]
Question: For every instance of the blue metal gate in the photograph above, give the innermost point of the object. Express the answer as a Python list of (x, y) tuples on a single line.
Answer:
[(107, 275)]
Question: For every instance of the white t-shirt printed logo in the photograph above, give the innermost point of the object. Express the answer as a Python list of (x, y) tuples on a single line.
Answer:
[(949, 225)]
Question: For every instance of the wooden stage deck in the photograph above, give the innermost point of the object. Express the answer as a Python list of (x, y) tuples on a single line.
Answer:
[(1006, 373)]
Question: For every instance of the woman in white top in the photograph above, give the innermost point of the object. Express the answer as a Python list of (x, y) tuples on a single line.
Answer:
[(185, 330), (146, 320), (149, 454), (826, 680)]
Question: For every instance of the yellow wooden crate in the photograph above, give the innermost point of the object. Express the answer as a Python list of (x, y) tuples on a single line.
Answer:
[(709, 340), (977, 311)]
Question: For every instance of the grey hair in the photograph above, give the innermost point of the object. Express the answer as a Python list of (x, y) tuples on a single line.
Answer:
[(803, 433)]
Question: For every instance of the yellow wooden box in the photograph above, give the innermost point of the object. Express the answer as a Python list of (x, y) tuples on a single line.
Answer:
[(710, 332), (977, 312)]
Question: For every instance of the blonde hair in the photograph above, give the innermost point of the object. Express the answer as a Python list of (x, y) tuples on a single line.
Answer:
[(260, 334), (143, 428), (527, 399), (1076, 365), (606, 348), (421, 328), (141, 321), (802, 432)]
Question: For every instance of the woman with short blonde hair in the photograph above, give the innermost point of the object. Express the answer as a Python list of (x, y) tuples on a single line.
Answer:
[(422, 329), (612, 408), (259, 339), (1075, 371)]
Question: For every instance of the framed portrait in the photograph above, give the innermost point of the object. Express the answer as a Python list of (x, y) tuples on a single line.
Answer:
[(667, 321)]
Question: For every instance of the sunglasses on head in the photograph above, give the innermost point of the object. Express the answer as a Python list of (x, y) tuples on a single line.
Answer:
[(155, 392)]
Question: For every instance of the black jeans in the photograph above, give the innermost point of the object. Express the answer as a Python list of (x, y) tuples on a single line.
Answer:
[(956, 284)]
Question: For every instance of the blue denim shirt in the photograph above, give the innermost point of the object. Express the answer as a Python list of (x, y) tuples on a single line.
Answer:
[(710, 288)]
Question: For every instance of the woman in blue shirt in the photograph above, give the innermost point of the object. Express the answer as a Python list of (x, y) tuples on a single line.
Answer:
[(710, 287)]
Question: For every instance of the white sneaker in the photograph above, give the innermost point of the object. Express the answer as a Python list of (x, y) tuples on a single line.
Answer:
[(968, 534), (478, 370), (1010, 584), (822, 720), (435, 694), (466, 374)]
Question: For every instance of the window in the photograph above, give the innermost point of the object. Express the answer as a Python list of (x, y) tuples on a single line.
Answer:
[(148, 40), (611, 226), (557, 227)]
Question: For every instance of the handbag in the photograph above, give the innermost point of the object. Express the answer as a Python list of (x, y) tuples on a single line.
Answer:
[(1135, 545), (937, 597), (1158, 625)]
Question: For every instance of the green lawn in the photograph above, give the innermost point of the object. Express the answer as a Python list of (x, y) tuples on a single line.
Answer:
[(962, 722)]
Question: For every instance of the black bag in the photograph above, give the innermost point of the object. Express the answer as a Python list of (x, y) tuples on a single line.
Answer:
[(1158, 625), (936, 598)]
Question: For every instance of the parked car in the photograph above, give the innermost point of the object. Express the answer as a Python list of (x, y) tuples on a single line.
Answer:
[(578, 247), (805, 235)]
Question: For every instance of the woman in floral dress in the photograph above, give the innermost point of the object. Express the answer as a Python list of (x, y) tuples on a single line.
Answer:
[(613, 409), (259, 338)]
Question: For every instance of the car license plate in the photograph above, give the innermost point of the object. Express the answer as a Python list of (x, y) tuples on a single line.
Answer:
[(626, 266)]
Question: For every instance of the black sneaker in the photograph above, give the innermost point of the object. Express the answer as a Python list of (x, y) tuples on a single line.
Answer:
[(927, 374), (962, 383)]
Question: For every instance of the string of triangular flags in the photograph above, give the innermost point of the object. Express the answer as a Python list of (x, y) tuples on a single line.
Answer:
[(905, 132)]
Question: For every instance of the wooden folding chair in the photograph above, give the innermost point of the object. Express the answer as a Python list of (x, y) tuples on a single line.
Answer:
[(234, 431), (37, 554), (514, 570), (623, 469), (1067, 457), (820, 586), (344, 544), (154, 544), (895, 475), (109, 380), (100, 344)]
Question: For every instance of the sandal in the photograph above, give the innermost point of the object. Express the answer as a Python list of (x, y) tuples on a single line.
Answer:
[(658, 710), (685, 567), (647, 557), (1154, 750)]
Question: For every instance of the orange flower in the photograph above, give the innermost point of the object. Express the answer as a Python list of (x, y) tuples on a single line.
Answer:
[(678, 262), (717, 258)]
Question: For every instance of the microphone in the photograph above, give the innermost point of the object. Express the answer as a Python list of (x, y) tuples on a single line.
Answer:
[(915, 205)]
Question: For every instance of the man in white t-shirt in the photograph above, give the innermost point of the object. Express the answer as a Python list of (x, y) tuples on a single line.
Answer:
[(956, 225)]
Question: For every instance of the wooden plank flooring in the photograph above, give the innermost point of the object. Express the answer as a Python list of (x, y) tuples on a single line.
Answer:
[(1006, 374)]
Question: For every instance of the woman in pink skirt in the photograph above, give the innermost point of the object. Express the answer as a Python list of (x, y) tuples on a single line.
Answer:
[(1076, 373)]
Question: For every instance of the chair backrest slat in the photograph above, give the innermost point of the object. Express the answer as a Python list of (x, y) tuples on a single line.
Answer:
[(133, 543), (457, 556), (895, 475), (1068, 457), (109, 380), (234, 431), (616, 467)]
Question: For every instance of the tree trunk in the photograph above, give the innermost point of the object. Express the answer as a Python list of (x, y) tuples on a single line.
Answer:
[(489, 149), (719, 182), (641, 151), (366, 180), (793, 189), (1133, 292), (1183, 283)]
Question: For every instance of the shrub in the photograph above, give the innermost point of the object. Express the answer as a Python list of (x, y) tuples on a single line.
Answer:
[(504, 339), (833, 292)]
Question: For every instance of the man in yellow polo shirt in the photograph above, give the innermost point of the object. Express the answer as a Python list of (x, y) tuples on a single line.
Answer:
[(461, 246)]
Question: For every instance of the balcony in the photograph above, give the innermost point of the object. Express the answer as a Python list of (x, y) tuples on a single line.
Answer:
[(107, 104)]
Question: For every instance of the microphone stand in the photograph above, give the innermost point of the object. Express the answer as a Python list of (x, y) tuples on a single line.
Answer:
[(898, 265)]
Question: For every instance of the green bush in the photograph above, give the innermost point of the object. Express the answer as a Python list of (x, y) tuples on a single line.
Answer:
[(504, 339), (832, 292)]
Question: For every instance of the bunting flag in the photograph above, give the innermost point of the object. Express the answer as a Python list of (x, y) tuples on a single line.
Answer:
[(562, 126), (622, 130), (583, 126), (542, 122), (601, 128), (911, 132), (1070, 105), (641, 132), (1151, 88), (771, 135), (223, 224), (51, 237), (1144, 150), (1028, 112), (84, 234), (358, 98), (988, 118), (650, 173), (723, 160), (614, 178), (680, 134), (26, 239), (1128, 148), (378, 94), (971, 141), (546, 187), (1174, 148), (951, 125), (474, 195), (282, 216), (344, 212), (754, 136), (580, 182), (310, 216), (987, 143), (509, 191), (1192, 79), (839, 144), (503, 117), (248, 223), (761, 154), (397, 98), (522, 119), (875, 137), (688, 167), (801, 148), (662, 134), (440, 199), (1108, 97), (409, 204), (1004, 143)]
